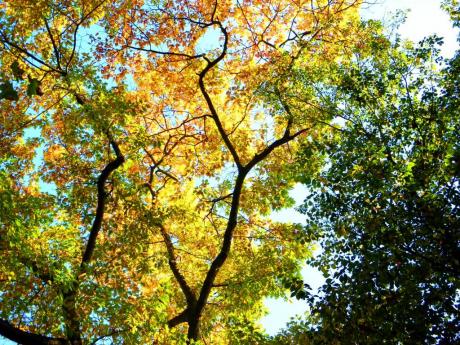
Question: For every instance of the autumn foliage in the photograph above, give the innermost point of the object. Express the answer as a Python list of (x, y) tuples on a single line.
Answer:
[(144, 145)]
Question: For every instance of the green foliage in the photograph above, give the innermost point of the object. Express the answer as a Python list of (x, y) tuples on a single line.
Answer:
[(453, 8), (244, 332), (18, 72), (139, 212), (33, 88), (387, 207), (8, 92), (296, 332)]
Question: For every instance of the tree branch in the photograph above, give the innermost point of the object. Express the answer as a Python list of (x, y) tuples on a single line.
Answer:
[(177, 320), (55, 48), (101, 201), (277, 143), (5, 40), (77, 26), (27, 338), (193, 332), (159, 52), (209, 102), (189, 295)]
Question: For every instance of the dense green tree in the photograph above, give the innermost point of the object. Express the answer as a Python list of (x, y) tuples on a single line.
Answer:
[(386, 206)]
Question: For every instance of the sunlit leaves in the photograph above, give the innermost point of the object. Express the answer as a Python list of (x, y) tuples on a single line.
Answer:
[(88, 83)]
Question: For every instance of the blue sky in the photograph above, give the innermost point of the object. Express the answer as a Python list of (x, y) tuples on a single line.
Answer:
[(424, 18)]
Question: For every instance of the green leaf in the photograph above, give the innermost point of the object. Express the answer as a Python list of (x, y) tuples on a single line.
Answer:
[(8, 92), (18, 72), (33, 87)]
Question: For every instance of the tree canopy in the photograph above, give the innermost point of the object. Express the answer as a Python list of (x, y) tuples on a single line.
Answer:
[(144, 145), (385, 206)]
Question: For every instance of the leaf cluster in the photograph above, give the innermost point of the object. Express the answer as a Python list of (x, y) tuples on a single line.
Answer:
[(385, 208)]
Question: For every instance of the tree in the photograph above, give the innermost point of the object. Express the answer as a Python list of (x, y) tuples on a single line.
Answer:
[(386, 206), (139, 165)]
